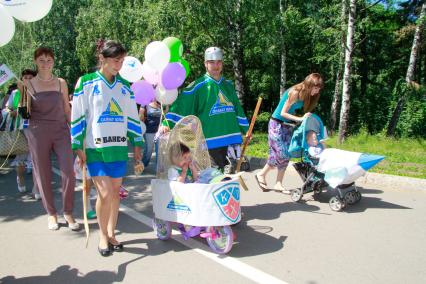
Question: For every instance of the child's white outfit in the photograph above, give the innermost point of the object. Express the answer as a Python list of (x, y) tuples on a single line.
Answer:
[(315, 151)]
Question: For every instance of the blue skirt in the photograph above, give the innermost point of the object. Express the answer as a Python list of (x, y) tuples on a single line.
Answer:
[(113, 169)]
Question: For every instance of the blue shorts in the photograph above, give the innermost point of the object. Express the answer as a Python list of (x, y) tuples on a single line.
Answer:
[(113, 169)]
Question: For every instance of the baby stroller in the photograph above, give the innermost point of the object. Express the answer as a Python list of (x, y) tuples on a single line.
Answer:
[(335, 169), (197, 209)]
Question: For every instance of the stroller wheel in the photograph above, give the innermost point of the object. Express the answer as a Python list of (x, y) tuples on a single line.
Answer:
[(162, 228), (337, 204), (317, 187), (296, 195), (351, 197), (358, 196), (220, 239)]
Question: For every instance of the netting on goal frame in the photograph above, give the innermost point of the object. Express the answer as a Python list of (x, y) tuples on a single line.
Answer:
[(187, 131)]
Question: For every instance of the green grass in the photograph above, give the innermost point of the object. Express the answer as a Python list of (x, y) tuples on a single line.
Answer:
[(404, 157)]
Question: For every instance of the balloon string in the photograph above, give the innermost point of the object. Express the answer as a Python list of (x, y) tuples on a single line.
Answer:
[(164, 115), (22, 47)]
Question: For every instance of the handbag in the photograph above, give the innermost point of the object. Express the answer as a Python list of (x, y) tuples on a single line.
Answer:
[(23, 112), (13, 143)]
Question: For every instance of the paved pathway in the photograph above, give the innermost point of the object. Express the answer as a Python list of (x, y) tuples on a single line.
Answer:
[(379, 240)]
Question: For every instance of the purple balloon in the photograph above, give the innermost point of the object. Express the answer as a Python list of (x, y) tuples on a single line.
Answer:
[(173, 76), (144, 92)]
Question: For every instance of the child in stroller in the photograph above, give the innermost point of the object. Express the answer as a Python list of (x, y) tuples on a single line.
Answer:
[(307, 144)]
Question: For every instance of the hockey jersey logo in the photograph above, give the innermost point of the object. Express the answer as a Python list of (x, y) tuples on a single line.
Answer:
[(113, 113), (222, 105)]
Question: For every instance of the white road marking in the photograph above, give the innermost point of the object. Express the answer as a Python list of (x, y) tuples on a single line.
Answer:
[(229, 262)]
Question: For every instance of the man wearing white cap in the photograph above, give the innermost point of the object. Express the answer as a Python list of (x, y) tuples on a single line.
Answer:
[(213, 100)]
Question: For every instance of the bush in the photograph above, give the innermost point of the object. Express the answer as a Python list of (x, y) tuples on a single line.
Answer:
[(262, 121), (412, 122)]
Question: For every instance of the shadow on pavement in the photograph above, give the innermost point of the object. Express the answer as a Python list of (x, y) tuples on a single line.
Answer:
[(66, 274), (256, 240), (271, 211), (366, 202), (154, 247)]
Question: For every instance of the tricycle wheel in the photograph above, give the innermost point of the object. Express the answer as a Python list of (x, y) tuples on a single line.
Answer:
[(162, 228), (220, 239)]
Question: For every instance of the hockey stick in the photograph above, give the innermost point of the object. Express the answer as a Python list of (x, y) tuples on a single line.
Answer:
[(248, 134)]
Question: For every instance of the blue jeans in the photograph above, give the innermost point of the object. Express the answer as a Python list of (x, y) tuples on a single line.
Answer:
[(149, 145)]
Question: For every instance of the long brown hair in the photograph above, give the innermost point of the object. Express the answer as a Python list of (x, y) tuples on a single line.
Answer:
[(304, 89)]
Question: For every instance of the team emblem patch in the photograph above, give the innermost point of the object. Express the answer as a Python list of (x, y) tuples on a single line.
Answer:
[(222, 105), (227, 198), (113, 113)]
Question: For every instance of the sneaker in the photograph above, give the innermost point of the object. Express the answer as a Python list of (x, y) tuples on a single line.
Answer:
[(91, 214), (123, 193), (37, 196), (22, 188)]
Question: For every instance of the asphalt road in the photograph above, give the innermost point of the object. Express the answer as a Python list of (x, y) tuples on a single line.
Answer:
[(379, 240)]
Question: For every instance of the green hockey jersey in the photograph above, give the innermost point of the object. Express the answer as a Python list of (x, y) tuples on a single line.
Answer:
[(217, 106), (104, 114)]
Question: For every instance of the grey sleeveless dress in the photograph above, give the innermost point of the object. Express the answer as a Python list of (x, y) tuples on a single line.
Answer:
[(49, 132)]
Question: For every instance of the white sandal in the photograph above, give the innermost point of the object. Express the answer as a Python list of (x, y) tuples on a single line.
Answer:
[(73, 226), (51, 225)]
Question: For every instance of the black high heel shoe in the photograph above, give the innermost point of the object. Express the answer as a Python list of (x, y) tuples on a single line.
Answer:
[(105, 252), (113, 247)]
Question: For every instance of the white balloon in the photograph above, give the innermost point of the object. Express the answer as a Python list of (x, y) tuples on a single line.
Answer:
[(28, 10), (131, 69), (149, 73), (7, 25), (157, 54), (166, 97)]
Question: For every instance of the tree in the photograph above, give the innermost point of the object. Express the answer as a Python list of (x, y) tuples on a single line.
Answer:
[(336, 94), (344, 111), (409, 78), (283, 71)]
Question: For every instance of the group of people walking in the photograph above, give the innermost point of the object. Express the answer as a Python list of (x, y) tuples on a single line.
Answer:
[(104, 118)]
